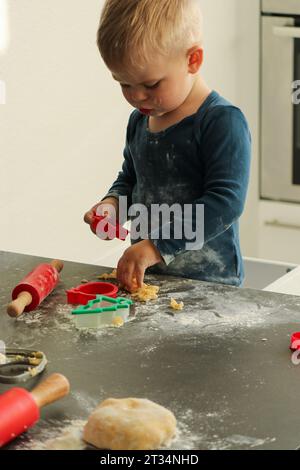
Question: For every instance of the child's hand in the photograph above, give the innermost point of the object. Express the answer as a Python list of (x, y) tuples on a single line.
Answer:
[(108, 207), (134, 262)]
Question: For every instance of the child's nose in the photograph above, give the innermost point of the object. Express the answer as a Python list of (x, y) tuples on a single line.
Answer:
[(138, 95)]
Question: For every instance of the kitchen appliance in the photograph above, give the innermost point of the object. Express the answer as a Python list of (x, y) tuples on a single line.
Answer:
[(280, 112)]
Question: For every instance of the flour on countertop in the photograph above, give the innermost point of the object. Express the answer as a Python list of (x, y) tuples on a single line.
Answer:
[(68, 436), (65, 438), (238, 441), (205, 438), (70, 439), (85, 402), (209, 309)]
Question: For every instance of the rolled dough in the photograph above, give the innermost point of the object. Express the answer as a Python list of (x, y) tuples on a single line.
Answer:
[(130, 424)]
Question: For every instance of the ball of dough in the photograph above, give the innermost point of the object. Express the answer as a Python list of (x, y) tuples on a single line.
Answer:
[(130, 424)]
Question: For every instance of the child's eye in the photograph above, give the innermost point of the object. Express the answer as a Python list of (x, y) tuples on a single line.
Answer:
[(151, 87)]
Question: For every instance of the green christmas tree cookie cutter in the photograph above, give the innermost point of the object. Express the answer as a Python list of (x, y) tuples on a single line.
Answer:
[(102, 311)]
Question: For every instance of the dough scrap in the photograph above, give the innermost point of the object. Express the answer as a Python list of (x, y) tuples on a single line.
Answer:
[(117, 322), (112, 275), (176, 305), (130, 424), (33, 371), (145, 293)]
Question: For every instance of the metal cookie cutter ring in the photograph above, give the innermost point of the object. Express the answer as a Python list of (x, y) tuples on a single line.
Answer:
[(20, 365)]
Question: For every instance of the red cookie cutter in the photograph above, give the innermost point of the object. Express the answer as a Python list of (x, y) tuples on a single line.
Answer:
[(295, 341), (82, 294), (121, 232)]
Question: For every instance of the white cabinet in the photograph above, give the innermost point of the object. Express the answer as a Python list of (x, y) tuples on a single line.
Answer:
[(279, 231)]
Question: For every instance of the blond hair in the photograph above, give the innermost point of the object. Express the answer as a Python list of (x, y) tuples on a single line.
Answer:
[(132, 31)]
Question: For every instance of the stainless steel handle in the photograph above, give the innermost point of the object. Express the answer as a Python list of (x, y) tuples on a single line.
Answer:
[(286, 31), (276, 223)]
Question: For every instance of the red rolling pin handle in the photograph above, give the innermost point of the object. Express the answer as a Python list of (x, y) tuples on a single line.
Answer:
[(20, 409), (33, 289)]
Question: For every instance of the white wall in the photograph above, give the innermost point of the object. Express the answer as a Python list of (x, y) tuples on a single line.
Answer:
[(232, 67), (220, 44), (62, 129), (248, 69), (63, 125)]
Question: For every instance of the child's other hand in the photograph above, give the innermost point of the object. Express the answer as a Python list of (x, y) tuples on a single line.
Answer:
[(108, 207), (134, 262)]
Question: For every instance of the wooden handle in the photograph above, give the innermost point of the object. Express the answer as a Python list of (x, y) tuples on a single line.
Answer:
[(53, 388), (57, 264), (15, 308)]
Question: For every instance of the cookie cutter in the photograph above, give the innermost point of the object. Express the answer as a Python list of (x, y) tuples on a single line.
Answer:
[(20, 365), (102, 311), (84, 293)]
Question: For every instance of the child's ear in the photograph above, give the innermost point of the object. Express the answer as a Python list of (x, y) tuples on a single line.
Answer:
[(195, 59)]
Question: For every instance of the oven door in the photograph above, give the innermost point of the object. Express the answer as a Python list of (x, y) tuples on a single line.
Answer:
[(280, 117)]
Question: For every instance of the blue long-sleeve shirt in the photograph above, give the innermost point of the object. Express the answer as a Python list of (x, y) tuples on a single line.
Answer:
[(203, 159)]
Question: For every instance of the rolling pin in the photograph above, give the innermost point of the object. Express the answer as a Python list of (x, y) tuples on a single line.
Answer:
[(32, 290), (20, 409)]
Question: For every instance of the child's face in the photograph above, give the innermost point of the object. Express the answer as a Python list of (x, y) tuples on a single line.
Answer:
[(159, 88)]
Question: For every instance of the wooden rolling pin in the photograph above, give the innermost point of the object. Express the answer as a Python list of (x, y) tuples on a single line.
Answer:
[(20, 409), (33, 289)]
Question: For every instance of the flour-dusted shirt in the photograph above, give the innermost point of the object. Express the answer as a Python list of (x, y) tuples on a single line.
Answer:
[(203, 159)]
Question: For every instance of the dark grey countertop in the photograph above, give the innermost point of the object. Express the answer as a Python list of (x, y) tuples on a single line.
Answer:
[(222, 365)]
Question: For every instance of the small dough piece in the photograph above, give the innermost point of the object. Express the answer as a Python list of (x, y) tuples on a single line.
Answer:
[(117, 322), (34, 361), (112, 275), (145, 293), (130, 424), (33, 371), (176, 305)]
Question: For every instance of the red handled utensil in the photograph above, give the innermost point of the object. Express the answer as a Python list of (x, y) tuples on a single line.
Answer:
[(20, 409), (33, 289), (117, 229), (295, 341)]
